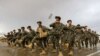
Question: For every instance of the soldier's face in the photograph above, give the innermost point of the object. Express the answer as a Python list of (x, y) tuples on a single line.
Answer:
[(23, 29), (57, 20), (89, 30), (29, 29), (14, 31), (19, 30), (39, 24)]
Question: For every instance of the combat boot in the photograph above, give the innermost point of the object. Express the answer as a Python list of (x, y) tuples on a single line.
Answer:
[(43, 52)]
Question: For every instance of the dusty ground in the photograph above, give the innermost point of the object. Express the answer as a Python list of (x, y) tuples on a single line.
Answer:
[(16, 51)]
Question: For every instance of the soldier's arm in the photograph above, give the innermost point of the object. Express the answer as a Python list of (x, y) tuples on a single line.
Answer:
[(65, 28), (74, 28), (34, 33), (45, 28), (63, 25), (52, 25), (5, 35), (37, 32)]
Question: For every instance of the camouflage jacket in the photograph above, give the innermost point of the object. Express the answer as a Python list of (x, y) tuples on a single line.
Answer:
[(57, 28), (32, 33)]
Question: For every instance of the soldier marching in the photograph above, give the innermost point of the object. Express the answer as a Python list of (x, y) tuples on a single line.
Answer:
[(59, 36)]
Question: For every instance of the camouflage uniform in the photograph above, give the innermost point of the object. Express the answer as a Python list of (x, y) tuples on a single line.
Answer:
[(79, 37), (18, 38), (87, 35), (23, 37), (14, 37), (30, 35), (42, 34), (95, 38), (57, 34), (9, 37), (91, 37), (70, 36)]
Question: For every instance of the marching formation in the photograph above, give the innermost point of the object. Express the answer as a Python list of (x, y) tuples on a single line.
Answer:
[(59, 36)]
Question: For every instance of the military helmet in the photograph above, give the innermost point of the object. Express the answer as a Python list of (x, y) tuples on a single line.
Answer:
[(58, 17), (29, 27), (69, 21), (8, 33), (89, 29), (78, 24), (86, 26), (22, 27), (39, 22), (14, 30), (19, 29)]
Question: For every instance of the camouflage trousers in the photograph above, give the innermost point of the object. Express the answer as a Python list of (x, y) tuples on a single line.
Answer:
[(79, 40), (55, 39)]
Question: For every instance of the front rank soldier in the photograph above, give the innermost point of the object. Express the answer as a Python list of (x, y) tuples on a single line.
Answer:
[(42, 31), (57, 28), (70, 36)]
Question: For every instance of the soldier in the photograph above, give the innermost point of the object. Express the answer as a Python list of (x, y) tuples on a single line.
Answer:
[(8, 38), (79, 38), (14, 33), (18, 38), (95, 38), (91, 38), (14, 37), (70, 36), (11, 38), (24, 34), (86, 35), (57, 28), (30, 36), (42, 31)]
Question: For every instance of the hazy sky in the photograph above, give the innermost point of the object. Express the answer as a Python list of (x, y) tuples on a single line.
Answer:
[(17, 13)]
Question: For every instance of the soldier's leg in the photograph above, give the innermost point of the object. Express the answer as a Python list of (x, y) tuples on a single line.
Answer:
[(70, 48), (8, 41), (23, 43), (86, 43), (90, 42), (79, 46), (82, 42), (96, 41), (58, 47), (33, 45), (18, 42), (43, 42), (54, 42), (93, 42)]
